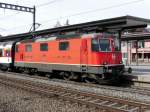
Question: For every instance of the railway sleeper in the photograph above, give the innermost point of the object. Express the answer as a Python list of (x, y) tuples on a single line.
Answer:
[(112, 104), (122, 107), (66, 94), (89, 99), (102, 103), (135, 109), (80, 98)]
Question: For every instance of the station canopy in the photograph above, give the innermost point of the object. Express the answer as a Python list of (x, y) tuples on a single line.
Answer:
[(114, 24), (136, 36)]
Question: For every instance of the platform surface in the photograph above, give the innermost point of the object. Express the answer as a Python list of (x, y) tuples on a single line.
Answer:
[(139, 73), (140, 68)]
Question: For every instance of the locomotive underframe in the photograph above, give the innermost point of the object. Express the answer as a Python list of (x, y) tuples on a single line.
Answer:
[(102, 72), (5, 66)]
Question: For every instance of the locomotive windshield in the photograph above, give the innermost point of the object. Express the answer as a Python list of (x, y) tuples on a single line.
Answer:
[(105, 42), (100, 45), (104, 45)]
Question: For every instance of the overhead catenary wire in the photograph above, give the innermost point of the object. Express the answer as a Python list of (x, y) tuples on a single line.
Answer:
[(8, 16), (95, 10), (83, 13), (80, 13), (47, 3)]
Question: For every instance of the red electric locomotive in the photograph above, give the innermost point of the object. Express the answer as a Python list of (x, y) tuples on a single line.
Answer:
[(73, 52), (90, 57)]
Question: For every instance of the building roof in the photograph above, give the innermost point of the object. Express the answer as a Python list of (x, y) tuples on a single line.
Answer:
[(135, 36)]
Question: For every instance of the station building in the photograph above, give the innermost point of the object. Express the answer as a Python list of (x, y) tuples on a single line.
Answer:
[(136, 52)]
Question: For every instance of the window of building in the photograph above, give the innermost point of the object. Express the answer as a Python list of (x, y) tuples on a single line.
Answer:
[(134, 45), (125, 55), (123, 44), (63, 46), (28, 48), (139, 55), (1, 52), (43, 47), (141, 44)]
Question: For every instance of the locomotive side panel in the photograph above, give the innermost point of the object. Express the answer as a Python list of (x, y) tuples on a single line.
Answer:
[(93, 57), (56, 57)]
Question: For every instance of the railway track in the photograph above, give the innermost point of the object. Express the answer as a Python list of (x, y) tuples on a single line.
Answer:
[(102, 102), (133, 89)]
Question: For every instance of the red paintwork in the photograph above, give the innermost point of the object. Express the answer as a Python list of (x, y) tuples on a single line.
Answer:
[(79, 52)]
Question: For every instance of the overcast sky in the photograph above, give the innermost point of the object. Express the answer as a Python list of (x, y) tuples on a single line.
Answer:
[(48, 12)]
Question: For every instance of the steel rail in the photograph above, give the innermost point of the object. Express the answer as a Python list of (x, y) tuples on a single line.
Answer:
[(133, 89), (97, 101)]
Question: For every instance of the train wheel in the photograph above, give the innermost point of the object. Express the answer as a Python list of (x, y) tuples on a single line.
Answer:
[(31, 71), (4, 68), (89, 80), (49, 75), (101, 81), (66, 76), (74, 76)]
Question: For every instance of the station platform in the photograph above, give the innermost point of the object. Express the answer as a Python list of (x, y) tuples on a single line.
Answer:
[(140, 75), (139, 68)]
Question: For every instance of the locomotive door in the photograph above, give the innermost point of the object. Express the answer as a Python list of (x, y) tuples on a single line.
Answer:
[(21, 52), (84, 55)]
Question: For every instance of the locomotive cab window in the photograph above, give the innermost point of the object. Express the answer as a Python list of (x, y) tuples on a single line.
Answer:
[(63, 46), (100, 45), (104, 44), (28, 48), (44, 47)]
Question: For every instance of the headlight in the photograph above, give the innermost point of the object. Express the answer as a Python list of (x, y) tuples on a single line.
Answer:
[(105, 63)]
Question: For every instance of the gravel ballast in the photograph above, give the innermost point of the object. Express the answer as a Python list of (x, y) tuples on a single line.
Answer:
[(17, 100), (128, 95)]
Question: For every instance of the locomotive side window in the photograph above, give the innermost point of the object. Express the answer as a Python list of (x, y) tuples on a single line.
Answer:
[(43, 47), (95, 45), (1, 52), (63, 46), (28, 48)]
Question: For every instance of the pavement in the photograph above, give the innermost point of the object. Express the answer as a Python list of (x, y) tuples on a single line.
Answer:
[(139, 73), (140, 69)]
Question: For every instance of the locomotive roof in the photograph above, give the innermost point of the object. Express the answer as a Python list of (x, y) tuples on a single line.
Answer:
[(45, 38), (115, 24)]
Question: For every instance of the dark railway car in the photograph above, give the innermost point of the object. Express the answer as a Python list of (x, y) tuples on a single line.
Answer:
[(91, 57)]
